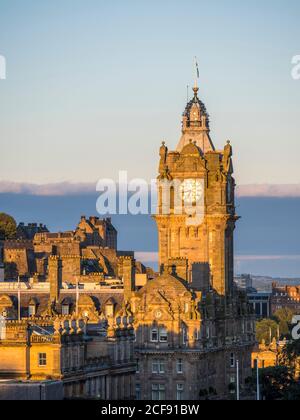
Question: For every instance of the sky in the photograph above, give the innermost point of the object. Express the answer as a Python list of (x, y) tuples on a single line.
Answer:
[(93, 87)]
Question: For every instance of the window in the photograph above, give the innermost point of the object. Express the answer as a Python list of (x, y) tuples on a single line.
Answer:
[(65, 310), (31, 310), (179, 392), (42, 359), (243, 327), (179, 366), (163, 335), (138, 392), (207, 333), (158, 366), (184, 336), (109, 310), (158, 392), (137, 366), (154, 335), (2, 328), (232, 360)]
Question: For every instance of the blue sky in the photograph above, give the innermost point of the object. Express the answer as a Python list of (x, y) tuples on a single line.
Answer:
[(94, 86)]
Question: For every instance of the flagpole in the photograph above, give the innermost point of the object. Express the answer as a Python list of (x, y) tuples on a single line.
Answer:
[(197, 75), (237, 380), (77, 296), (257, 379), (19, 300)]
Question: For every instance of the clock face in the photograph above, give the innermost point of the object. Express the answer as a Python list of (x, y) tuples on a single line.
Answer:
[(158, 314), (192, 190)]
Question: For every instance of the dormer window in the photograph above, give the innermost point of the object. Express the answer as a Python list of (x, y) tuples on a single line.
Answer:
[(110, 308), (65, 310), (159, 335), (154, 335), (32, 308), (163, 335), (66, 307)]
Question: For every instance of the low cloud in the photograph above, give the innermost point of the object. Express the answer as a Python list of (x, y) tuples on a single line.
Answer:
[(55, 189), (69, 188), (267, 190), (152, 257), (147, 257), (240, 258)]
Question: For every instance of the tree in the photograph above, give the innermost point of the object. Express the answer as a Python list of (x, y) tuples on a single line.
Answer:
[(8, 226), (266, 330), (278, 384), (284, 318), (290, 354)]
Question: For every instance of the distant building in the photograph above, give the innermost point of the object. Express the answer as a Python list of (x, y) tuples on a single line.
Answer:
[(29, 231), (285, 297), (89, 252), (261, 302), (267, 356), (244, 281)]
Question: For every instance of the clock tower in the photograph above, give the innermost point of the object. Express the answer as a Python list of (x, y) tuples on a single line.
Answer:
[(196, 210)]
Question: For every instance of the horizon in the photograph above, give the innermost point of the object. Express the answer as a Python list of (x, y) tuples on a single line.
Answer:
[(258, 250)]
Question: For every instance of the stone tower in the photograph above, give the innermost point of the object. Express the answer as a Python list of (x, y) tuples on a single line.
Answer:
[(197, 177), (55, 278)]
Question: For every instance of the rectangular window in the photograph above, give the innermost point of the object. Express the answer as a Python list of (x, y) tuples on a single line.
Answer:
[(155, 366), (163, 335), (158, 366), (65, 310), (207, 332), (158, 392), (31, 310), (179, 366), (137, 366), (161, 366), (180, 392), (154, 335), (138, 392), (184, 336), (42, 359), (232, 360)]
